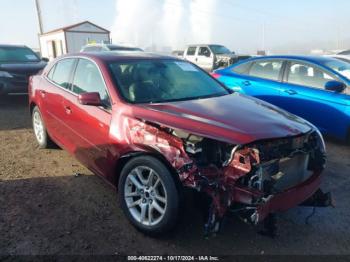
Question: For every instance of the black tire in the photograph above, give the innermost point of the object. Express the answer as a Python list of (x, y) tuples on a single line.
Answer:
[(169, 219), (45, 141)]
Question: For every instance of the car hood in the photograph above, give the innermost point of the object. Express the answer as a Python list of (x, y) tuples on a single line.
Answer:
[(23, 68), (234, 118)]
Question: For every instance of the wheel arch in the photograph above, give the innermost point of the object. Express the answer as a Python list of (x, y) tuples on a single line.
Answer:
[(123, 160), (32, 106)]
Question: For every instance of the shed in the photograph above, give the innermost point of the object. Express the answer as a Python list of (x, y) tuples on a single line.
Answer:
[(71, 39)]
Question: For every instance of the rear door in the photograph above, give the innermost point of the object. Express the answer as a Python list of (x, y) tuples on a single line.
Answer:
[(261, 79), (57, 85), (205, 58), (304, 95), (191, 54), (89, 125)]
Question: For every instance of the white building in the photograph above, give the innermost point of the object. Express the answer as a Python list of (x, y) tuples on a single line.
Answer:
[(71, 39)]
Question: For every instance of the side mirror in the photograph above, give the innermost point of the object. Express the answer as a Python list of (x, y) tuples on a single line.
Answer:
[(90, 99), (45, 59), (335, 86), (207, 54)]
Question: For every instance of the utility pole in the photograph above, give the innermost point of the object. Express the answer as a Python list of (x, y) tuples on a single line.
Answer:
[(38, 11)]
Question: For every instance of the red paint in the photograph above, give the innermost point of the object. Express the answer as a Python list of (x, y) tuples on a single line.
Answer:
[(99, 137)]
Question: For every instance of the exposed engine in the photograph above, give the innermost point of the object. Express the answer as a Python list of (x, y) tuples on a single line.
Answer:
[(249, 176), (204, 151), (285, 163)]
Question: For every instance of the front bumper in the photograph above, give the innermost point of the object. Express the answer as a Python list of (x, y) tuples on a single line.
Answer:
[(288, 199), (13, 86)]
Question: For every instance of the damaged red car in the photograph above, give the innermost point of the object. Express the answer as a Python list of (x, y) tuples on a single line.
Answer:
[(153, 125)]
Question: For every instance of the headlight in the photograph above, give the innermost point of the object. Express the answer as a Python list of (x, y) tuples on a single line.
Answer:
[(5, 74)]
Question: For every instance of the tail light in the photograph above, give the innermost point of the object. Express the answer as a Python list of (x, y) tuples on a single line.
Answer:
[(215, 75)]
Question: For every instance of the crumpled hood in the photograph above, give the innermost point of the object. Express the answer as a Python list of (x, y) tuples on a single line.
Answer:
[(236, 119)]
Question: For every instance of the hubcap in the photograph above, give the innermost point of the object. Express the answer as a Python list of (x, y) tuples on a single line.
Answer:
[(38, 127), (145, 196)]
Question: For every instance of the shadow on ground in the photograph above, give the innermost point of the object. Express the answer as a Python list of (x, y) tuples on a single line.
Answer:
[(14, 112)]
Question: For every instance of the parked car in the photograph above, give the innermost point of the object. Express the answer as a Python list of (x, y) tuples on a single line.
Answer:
[(109, 47), (209, 57), (315, 88), (17, 63), (152, 125)]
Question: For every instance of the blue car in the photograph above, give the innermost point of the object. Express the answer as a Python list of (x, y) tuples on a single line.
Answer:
[(315, 88)]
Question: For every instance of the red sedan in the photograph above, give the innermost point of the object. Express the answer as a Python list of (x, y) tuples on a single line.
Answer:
[(152, 125)]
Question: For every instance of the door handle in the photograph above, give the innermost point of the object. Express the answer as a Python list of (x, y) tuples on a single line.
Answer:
[(247, 83), (291, 92), (42, 93), (68, 110)]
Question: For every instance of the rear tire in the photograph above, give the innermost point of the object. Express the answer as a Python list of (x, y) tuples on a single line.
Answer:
[(40, 132), (148, 195)]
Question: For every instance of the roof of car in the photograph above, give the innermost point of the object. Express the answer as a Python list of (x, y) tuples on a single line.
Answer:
[(121, 56), (308, 58)]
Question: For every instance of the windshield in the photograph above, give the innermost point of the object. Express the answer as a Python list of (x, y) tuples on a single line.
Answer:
[(17, 54), (219, 49), (163, 81), (339, 66)]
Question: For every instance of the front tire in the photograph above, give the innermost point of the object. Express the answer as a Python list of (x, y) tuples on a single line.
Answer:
[(40, 131), (148, 195)]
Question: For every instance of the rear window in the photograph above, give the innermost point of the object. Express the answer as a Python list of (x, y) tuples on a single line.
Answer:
[(268, 69), (61, 72), (11, 54), (242, 68), (191, 50)]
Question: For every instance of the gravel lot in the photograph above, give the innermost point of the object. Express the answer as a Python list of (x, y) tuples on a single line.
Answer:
[(45, 209)]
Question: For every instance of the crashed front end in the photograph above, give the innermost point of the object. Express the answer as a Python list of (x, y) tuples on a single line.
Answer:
[(222, 61), (256, 179)]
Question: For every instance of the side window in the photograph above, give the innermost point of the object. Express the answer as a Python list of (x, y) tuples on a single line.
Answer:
[(191, 51), (88, 79), (52, 71), (204, 51), (307, 75), (266, 69), (242, 68), (61, 72)]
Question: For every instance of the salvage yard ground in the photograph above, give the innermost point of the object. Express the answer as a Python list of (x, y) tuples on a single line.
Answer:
[(45, 209)]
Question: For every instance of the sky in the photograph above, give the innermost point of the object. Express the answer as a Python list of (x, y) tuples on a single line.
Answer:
[(245, 26)]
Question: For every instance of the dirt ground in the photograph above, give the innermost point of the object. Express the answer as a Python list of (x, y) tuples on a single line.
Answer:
[(45, 209)]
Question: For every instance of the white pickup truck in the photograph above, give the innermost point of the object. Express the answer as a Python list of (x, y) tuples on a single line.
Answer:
[(209, 57)]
